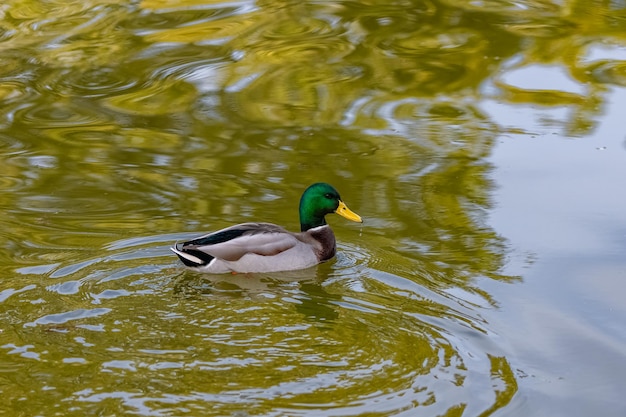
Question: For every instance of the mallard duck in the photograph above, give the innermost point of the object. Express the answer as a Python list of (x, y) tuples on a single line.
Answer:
[(266, 247)]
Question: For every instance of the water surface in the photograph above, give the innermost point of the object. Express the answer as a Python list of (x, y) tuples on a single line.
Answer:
[(482, 142)]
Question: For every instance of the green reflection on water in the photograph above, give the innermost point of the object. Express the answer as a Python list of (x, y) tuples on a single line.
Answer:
[(123, 123)]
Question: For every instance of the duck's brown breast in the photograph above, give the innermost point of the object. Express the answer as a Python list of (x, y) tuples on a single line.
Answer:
[(327, 246)]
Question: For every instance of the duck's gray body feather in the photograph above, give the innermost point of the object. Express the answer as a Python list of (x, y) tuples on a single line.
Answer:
[(257, 247)]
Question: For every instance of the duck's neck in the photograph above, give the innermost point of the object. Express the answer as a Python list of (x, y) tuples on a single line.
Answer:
[(309, 220)]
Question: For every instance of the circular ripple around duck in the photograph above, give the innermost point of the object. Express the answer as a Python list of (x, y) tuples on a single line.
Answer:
[(300, 346), (223, 345)]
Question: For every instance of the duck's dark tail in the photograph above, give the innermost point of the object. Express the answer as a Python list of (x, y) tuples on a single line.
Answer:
[(192, 257)]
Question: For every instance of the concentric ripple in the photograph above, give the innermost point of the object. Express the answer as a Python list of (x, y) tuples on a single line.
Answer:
[(321, 339), (94, 82), (60, 115)]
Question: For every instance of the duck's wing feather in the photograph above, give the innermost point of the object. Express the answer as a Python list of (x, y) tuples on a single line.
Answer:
[(232, 243)]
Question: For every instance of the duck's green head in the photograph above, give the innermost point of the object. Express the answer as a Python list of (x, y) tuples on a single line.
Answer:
[(317, 201)]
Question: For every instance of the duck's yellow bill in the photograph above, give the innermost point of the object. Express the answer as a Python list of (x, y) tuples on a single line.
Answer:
[(344, 211)]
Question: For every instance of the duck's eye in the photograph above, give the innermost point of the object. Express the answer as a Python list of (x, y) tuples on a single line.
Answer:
[(328, 195)]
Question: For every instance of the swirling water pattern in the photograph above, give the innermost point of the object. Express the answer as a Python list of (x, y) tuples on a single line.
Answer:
[(126, 126)]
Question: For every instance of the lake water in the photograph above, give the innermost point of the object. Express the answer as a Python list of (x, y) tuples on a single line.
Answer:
[(482, 142)]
